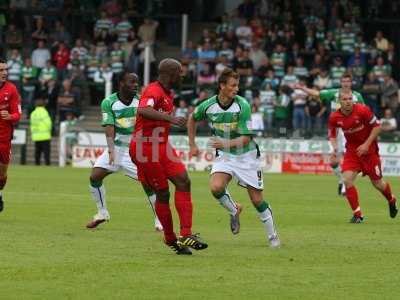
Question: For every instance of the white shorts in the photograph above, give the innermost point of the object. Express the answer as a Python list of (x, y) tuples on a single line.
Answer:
[(246, 168), (341, 142), (122, 161)]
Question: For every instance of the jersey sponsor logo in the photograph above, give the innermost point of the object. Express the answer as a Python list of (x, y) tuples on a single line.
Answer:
[(353, 130), (126, 122), (226, 126), (150, 102)]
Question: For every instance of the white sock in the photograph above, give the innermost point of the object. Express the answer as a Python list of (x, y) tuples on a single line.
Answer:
[(99, 197), (268, 221), (338, 173), (227, 202), (152, 201)]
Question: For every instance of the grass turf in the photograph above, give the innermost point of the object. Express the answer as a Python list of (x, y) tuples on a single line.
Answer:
[(46, 252)]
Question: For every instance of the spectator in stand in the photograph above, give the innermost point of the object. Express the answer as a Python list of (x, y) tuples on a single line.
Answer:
[(60, 34), (123, 28), (13, 37), (371, 92), (189, 55), (14, 64), (390, 94), (267, 106), (61, 59), (232, 39), (381, 42), (182, 109), (309, 44), (247, 9), (51, 93), (242, 65), (80, 49), (102, 77), (290, 78), (357, 54), (206, 55), (188, 86), (336, 71), (206, 78), (207, 37), (271, 79), (347, 39), (323, 81), (75, 66), (330, 43), (381, 69), (47, 74), (103, 28), (261, 72), (314, 112), (223, 27), (299, 69), (391, 56), (132, 50), (66, 100), (244, 33), (317, 65), (282, 110), (278, 61), (288, 40), (226, 51), (29, 85), (257, 29), (147, 31), (299, 99), (388, 122), (92, 63), (223, 63), (257, 122), (39, 33), (40, 55), (257, 55)]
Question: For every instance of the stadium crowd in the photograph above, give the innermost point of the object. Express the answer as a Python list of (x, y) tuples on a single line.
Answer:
[(271, 44)]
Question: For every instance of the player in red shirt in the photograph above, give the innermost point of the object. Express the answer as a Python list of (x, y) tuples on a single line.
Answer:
[(10, 112), (361, 128), (157, 161)]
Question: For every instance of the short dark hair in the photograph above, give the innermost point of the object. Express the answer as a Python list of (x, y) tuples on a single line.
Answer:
[(121, 76), (226, 74), (346, 75), (3, 61)]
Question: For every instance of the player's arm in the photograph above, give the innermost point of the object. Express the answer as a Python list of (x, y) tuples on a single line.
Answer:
[(149, 112), (312, 92), (369, 117), (191, 130), (108, 122), (14, 113), (332, 134)]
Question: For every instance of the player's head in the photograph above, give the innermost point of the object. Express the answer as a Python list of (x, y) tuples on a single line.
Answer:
[(3, 71), (170, 72), (346, 102), (228, 83), (128, 83), (346, 81)]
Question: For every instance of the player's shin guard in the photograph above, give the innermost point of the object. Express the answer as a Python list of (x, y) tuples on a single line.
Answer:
[(98, 192), (226, 201), (387, 193), (184, 207), (265, 214), (352, 198), (164, 214), (3, 182)]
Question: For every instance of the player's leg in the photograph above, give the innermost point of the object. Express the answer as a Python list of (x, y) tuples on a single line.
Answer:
[(385, 189), (3, 181), (151, 196), (219, 189), (349, 176), (132, 172), (337, 170), (265, 215)]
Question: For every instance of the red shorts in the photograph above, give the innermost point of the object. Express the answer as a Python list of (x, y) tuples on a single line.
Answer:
[(5, 154), (369, 164), (155, 167)]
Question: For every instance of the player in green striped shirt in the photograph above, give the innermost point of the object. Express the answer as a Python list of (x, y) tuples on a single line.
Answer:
[(331, 98), (237, 154), (118, 118)]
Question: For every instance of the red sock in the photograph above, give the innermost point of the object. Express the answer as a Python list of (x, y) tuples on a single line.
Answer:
[(164, 215), (352, 198), (183, 204), (3, 182), (387, 192)]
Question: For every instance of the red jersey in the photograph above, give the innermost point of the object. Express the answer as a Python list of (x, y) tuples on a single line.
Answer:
[(356, 127), (157, 97), (9, 101)]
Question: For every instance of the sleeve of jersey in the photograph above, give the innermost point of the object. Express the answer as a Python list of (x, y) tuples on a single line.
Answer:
[(369, 117), (360, 99), (148, 98), (325, 95), (15, 106), (332, 129), (107, 114), (244, 124), (200, 112)]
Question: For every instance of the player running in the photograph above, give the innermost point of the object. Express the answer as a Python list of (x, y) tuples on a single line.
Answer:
[(158, 162), (10, 113), (330, 98), (237, 154), (360, 128), (119, 114)]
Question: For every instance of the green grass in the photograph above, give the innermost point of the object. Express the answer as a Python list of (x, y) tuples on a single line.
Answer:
[(46, 253)]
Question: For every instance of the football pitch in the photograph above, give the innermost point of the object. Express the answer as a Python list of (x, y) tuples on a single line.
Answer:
[(47, 253)]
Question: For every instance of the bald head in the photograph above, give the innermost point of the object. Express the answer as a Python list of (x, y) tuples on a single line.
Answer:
[(169, 71)]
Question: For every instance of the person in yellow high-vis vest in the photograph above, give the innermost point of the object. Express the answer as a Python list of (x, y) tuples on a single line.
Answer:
[(40, 124)]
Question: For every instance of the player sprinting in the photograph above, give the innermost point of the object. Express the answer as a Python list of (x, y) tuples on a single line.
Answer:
[(10, 113), (237, 154), (158, 162), (360, 128), (330, 97), (118, 119)]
